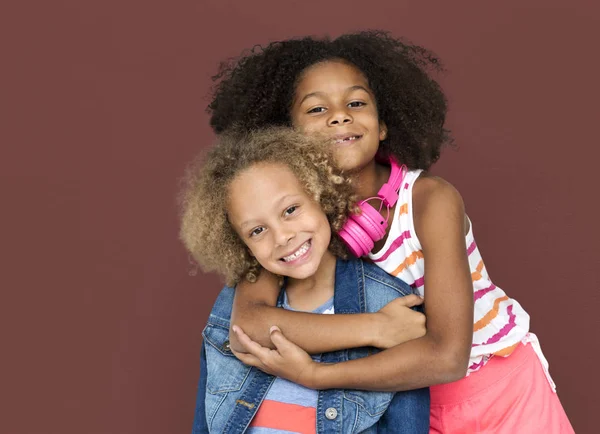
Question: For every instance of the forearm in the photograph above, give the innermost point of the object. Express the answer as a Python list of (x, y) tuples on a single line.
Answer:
[(315, 333), (418, 363)]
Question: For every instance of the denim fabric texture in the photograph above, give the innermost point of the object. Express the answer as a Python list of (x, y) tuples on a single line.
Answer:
[(230, 393)]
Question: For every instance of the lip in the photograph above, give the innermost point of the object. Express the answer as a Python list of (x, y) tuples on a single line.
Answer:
[(300, 258), (341, 139)]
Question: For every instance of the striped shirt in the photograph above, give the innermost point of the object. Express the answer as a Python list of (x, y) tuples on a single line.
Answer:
[(500, 322), (289, 407)]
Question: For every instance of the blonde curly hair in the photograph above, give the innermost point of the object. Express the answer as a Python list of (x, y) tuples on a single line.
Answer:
[(205, 228)]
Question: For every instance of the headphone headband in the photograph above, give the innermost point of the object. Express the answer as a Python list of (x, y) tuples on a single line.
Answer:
[(362, 230), (389, 191)]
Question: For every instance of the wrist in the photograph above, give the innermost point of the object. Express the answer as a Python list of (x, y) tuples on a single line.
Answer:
[(316, 377), (372, 330), (363, 332)]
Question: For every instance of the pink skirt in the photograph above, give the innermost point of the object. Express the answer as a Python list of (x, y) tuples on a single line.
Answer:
[(508, 395)]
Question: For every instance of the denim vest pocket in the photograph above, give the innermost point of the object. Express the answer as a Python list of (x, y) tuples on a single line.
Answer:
[(225, 373), (373, 403)]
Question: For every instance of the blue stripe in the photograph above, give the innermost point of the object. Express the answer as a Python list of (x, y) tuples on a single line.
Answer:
[(258, 430)]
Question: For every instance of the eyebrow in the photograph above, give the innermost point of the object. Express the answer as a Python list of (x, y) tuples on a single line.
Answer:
[(350, 89), (277, 204)]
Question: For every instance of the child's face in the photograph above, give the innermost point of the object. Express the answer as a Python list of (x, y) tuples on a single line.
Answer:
[(334, 98), (285, 230)]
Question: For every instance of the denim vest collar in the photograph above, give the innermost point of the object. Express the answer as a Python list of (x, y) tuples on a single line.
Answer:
[(349, 295)]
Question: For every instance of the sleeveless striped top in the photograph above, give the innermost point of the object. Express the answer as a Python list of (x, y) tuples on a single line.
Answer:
[(500, 322)]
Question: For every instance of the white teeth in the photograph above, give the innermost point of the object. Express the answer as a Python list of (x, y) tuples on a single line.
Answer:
[(347, 139), (301, 251)]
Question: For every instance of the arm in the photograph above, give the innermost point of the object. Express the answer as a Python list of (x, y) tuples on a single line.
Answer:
[(254, 311), (442, 354)]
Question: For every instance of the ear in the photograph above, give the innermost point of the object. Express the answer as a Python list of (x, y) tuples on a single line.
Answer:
[(382, 131)]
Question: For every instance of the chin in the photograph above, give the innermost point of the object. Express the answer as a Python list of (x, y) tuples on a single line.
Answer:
[(350, 163), (305, 273)]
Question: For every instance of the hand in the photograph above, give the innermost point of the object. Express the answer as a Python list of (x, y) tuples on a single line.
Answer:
[(398, 323), (287, 360)]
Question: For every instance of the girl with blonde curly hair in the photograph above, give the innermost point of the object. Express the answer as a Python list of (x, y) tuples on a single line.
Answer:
[(273, 200)]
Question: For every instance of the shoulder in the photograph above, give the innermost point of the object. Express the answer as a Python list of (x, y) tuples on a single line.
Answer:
[(431, 190), (437, 207), (220, 313)]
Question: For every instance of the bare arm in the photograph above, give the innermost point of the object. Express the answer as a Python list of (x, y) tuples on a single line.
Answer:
[(255, 312), (442, 354)]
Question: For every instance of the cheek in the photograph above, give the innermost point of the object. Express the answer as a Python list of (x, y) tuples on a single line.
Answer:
[(326, 233), (307, 124), (322, 224), (295, 119), (259, 252), (305, 127)]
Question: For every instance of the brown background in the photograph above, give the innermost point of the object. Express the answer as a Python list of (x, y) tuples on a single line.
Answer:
[(103, 104)]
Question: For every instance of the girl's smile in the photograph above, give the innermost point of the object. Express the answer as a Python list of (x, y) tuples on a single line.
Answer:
[(346, 139), (299, 254), (334, 98), (285, 229)]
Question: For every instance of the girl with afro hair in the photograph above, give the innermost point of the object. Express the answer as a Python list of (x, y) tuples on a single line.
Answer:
[(373, 96), (272, 200)]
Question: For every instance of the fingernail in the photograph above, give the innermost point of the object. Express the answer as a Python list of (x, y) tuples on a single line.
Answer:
[(235, 329), (273, 328)]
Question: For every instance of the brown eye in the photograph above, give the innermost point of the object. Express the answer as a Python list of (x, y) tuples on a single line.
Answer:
[(257, 231), (317, 110), (290, 210)]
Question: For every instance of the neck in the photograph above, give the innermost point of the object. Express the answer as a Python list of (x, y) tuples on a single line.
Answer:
[(310, 293), (369, 179)]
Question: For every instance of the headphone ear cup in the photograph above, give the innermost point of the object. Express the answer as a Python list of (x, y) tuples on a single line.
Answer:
[(371, 222), (358, 241)]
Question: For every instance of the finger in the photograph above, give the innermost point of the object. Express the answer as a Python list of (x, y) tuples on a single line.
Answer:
[(247, 359), (282, 343), (412, 300), (277, 337), (248, 344)]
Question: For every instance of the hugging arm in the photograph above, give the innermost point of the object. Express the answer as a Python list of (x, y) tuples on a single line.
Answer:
[(255, 312), (442, 354)]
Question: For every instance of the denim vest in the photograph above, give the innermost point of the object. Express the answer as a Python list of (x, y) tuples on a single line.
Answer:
[(230, 393)]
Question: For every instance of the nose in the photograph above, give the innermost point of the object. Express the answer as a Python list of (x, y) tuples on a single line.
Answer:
[(283, 235), (340, 117)]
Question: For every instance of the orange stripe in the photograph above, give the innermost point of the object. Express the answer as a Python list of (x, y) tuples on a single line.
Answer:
[(407, 262), (404, 209), (288, 417), (506, 351), (476, 275), (488, 317)]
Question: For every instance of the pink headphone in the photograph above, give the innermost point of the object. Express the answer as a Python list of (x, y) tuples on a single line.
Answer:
[(361, 231)]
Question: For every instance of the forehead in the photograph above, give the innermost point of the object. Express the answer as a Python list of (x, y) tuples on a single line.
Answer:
[(260, 187), (330, 76), (261, 177)]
